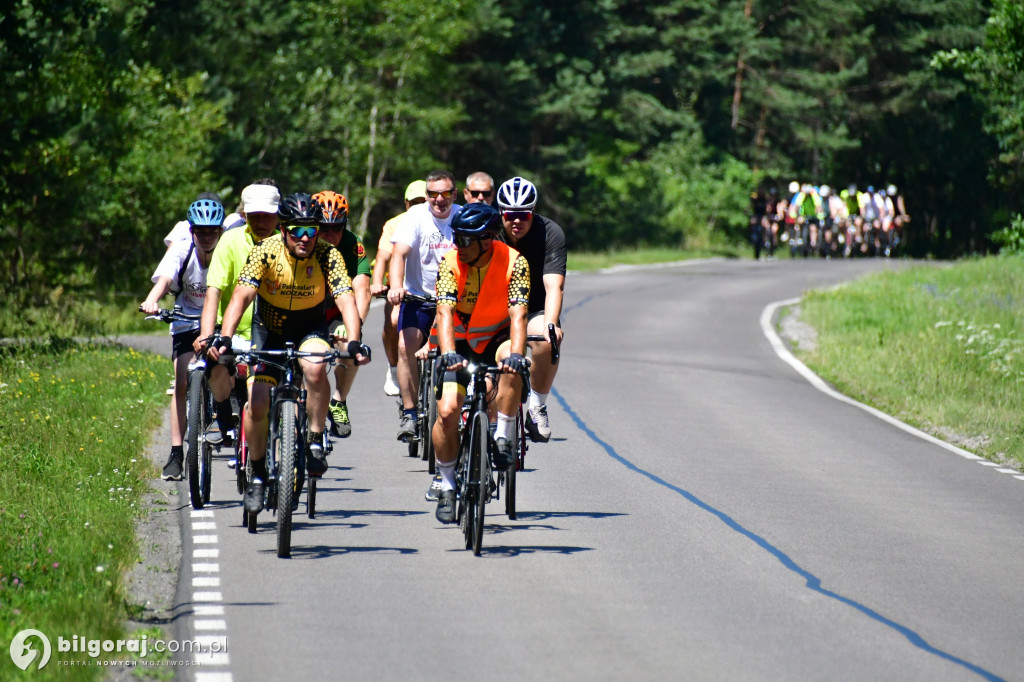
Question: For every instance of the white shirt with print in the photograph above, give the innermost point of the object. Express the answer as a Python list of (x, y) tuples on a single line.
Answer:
[(429, 238), (193, 282)]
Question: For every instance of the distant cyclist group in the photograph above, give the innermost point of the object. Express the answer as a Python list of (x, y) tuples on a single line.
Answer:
[(818, 221), (466, 285)]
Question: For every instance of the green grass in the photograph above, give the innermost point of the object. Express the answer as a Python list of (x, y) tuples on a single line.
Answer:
[(939, 347), (588, 262), (74, 420)]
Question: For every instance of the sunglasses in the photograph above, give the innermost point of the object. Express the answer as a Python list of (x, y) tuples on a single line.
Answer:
[(333, 227), (517, 215), (465, 240), (301, 231), (480, 193), (444, 194), (206, 229)]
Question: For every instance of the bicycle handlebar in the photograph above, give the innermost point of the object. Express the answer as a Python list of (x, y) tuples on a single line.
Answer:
[(554, 342), (174, 315)]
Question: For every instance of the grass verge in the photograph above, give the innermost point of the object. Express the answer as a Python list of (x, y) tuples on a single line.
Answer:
[(74, 420), (938, 347), (588, 262)]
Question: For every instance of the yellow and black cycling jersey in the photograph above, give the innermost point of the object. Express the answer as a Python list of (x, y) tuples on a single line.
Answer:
[(518, 291), (292, 294)]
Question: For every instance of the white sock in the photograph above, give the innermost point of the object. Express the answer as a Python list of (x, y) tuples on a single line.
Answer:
[(537, 399), (447, 472), (504, 426)]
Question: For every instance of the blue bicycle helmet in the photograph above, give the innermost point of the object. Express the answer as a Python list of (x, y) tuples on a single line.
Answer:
[(477, 219), (206, 213)]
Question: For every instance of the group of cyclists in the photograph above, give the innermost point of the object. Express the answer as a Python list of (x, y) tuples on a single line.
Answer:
[(819, 221), (286, 270)]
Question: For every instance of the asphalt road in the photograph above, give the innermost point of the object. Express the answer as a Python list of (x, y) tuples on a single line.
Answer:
[(701, 513)]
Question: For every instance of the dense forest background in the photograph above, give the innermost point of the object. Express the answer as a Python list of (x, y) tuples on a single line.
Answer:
[(641, 122)]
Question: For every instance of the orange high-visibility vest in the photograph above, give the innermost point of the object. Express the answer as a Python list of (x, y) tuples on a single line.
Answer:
[(490, 314)]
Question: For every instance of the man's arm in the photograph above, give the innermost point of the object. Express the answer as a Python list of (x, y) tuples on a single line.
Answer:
[(152, 302), (240, 300), (380, 266), (208, 319), (517, 331), (361, 285), (353, 325), (396, 272), (554, 287)]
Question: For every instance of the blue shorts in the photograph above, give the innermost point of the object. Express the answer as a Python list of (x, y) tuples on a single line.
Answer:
[(417, 314)]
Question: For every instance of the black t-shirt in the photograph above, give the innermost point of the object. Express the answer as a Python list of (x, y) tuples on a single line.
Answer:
[(544, 249)]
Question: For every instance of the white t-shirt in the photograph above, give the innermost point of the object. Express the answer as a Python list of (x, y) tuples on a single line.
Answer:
[(181, 232), (429, 238), (193, 282)]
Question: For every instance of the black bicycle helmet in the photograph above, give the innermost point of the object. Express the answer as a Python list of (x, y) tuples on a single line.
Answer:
[(206, 213), (299, 209), (477, 219)]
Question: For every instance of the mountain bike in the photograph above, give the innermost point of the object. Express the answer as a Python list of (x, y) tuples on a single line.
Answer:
[(474, 480), (198, 417), (286, 445)]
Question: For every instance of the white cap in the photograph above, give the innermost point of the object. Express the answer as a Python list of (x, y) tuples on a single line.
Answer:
[(260, 199)]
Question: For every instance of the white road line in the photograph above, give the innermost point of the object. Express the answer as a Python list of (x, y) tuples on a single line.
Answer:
[(208, 642), (201, 513), (206, 581), (210, 659), (204, 539), (210, 625), (204, 525), (213, 677), (207, 596), (768, 315), (205, 568), (205, 553), (207, 610)]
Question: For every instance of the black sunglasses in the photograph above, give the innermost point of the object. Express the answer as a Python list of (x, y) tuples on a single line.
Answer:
[(480, 193), (465, 240)]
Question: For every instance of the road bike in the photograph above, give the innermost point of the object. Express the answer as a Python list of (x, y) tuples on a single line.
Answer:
[(199, 414), (286, 446), (475, 483)]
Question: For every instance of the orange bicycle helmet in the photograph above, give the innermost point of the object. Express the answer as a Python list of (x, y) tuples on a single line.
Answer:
[(334, 207)]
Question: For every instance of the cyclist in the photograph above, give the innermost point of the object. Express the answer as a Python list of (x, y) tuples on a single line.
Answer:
[(806, 208), (334, 208), (415, 193), (479, 187), (259, 206), (182, 271), (291, 276), (420, 242), (483, 292), (541, 241)]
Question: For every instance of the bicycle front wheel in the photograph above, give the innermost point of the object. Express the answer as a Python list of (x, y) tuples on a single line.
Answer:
[(285, 451), (428, 443), (479, 479), (195, 402)]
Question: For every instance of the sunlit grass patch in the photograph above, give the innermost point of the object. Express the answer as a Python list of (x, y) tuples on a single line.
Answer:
[(74, 421), (940, 347)]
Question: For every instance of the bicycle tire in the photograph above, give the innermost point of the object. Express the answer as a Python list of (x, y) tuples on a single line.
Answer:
[(194, 436), (311, 498), (510, 474), (428, 443), (241, 459), (478, 479), (287, 462)]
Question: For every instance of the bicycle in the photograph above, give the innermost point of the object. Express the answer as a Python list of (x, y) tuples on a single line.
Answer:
[(198, 417), (474, 481), (287, 451)]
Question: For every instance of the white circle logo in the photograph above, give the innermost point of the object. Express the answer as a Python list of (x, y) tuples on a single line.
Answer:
[(22, 654)]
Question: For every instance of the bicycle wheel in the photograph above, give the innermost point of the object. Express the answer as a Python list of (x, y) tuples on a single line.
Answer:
[(428, 444), (311, 498), (287, 474), (241, 455), (478, 478), (194, 436), (510, 474), (206, 449)]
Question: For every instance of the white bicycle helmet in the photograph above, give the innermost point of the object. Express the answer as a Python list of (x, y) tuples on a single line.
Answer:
[(517, 193)]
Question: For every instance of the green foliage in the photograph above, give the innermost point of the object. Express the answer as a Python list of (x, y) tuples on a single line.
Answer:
[(1010, 239)]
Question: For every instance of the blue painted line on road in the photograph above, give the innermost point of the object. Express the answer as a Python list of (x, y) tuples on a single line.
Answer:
[(813, 582)]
